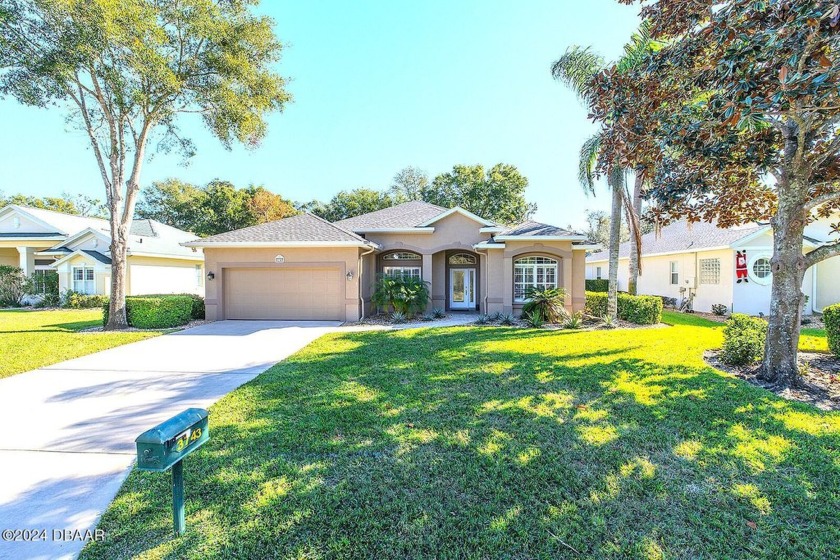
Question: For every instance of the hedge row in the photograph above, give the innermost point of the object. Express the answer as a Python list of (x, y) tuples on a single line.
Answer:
[(831, 318), (156, 312), (642, 310), (599, 285)]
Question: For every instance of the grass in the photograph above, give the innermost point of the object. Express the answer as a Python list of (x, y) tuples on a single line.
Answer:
[(810, 340), (497, 443), (33, 339)]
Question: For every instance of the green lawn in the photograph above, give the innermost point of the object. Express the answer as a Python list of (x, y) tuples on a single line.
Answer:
[(497, 443), (810, 340), (33, 339)]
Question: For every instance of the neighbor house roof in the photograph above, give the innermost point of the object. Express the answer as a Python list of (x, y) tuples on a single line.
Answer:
[(402, 216), (66, 224), (681, 237), (303, 230)]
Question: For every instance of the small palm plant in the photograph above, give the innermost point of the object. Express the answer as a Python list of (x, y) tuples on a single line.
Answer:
[(508, 319), (573, 321), (547, 303), (534, 320), (405, 295)]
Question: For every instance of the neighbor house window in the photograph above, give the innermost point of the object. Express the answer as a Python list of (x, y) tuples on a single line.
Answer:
[(675, 273), (402, 272), (598, 272), (710, 271), (402, 256), (83, 280), (533, 272), (199, 276), (462, 258), (40, 280), (761, 270)]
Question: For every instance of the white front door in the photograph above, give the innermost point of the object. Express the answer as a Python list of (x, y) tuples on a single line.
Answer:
[(462, 288)]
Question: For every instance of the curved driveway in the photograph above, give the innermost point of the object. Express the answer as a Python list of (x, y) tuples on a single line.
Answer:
[(67, 431)]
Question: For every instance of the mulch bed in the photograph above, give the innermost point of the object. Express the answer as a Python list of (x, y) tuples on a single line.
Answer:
[(820, 381)]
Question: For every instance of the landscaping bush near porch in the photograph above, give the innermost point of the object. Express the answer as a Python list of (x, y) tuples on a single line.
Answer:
[(597, 285), (156, 312), (831, 319), (402, 294), (642, 310)]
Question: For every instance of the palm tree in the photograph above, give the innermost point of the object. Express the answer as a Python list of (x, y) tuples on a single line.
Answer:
[(576, 69)]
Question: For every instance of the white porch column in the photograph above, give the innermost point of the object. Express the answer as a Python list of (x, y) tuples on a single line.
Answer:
[(27, 260), (427, 277)]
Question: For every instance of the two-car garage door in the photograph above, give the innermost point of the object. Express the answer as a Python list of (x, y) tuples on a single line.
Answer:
[(304, 294)]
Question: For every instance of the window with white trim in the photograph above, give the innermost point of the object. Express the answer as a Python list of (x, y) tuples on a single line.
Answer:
[(761, 269), (83, 280), (404, 272), (675, 273), (710, 271), (598, 272), (41, 278), (402, 256), (533, 272), (199, 276)]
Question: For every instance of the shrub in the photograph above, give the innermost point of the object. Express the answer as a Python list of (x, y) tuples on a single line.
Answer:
[(642, 310), (599, 285), (743, 339), (438, 313), (428, 317), (406, 295), (398, 317), (719, 309), (496, 317), (609, 321), (548, 304), (43, 290), (482, 319), (574, 321), (12, 283), (156, 312), (831, 318), (669, 302), (534, 319), (508, 319), (197, 312), (75, 300)]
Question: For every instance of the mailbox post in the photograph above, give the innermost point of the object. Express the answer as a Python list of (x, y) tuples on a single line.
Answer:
[(166, 445)]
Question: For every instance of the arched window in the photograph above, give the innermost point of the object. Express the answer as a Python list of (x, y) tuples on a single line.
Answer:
[(397, 265), (462, 258), (760, 270), (533, 272), (402, 256)]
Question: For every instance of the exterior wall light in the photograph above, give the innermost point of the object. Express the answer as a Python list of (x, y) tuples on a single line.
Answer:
[(349, 275), (211, 275)]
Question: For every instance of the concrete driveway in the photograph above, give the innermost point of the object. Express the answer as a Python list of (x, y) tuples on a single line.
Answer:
[(67, 431)]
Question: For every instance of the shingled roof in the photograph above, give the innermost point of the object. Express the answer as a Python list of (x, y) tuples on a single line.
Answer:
[(538, 229), (682, 237), (303, 228), (405, 215)]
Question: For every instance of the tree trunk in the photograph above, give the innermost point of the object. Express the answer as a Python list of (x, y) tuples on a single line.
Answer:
[(117, 317), (636, 215), (615, 241), (779, 365)]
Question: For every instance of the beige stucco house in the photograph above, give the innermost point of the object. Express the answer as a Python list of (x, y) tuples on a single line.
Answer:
[(306, 268), (702, 258), (77, 249)]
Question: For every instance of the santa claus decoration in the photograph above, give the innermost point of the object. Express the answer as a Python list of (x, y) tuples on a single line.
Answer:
[(741, 266)]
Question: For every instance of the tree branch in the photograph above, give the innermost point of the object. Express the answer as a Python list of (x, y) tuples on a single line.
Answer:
[(821, 199), (822, 253)]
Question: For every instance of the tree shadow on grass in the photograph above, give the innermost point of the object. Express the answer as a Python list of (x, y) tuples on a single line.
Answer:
[(497, 443)]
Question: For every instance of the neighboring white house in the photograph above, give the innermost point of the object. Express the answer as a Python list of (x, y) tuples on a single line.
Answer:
[(78, 250), (703, 258)]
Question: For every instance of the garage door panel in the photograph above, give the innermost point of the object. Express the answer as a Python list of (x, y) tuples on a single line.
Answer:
[(284, 294)]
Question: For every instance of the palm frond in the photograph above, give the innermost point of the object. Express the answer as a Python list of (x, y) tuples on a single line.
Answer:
[(576, 68), (587, 163)]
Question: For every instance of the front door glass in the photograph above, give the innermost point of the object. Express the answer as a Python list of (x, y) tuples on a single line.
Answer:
[(462, 288)]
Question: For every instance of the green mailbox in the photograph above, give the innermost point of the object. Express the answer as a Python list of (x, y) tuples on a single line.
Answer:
[(166, 445)]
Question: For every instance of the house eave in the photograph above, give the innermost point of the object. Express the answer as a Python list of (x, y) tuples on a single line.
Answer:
[(463, 212), (256, 244), (667, 253), (190, 257), (484, 245), (540, 238)]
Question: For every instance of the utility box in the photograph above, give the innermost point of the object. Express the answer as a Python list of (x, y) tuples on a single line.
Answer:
[(166, 444)]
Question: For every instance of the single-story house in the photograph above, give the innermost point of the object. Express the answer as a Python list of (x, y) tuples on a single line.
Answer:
[(77, 248), (728, 266), (307, 268)]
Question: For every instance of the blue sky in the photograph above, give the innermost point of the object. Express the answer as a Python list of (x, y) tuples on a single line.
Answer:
[(379, 85)]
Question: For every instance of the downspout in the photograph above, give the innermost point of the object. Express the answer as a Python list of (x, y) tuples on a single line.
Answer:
[(814, 289), (485, 274), (361, 276)]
